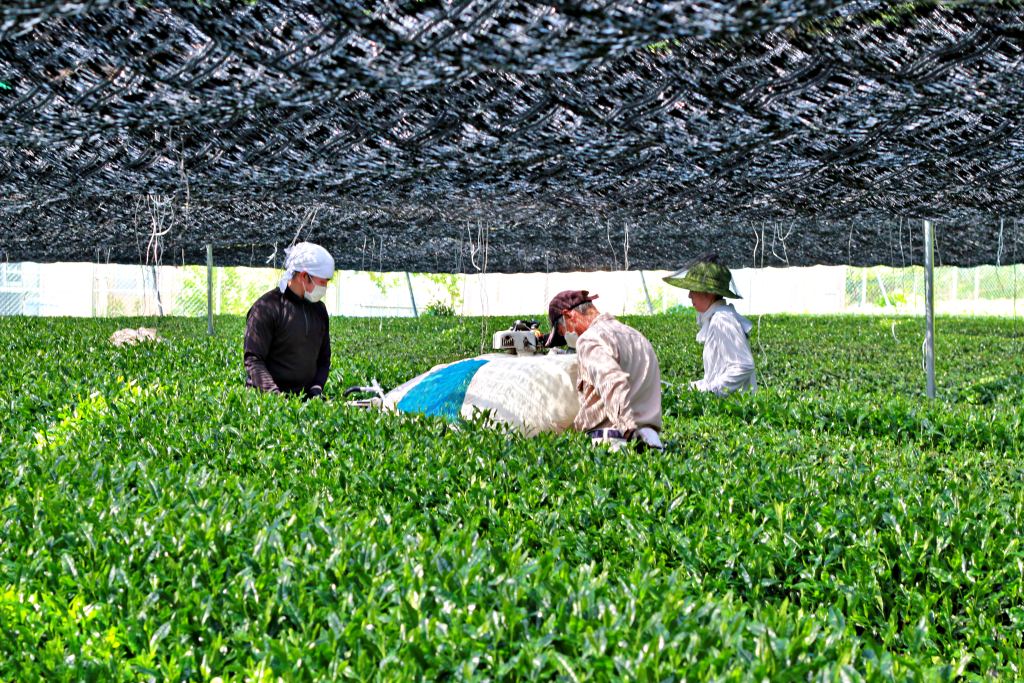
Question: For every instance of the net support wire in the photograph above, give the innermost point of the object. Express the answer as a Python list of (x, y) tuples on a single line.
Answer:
[(209, 289)]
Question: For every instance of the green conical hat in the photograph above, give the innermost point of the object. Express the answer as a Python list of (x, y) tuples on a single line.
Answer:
[(704, 276)]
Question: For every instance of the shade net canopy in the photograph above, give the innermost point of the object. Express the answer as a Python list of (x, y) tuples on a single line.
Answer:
[(511, 136)]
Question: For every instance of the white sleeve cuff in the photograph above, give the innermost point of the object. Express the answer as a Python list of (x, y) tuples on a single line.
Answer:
[(649, 437)]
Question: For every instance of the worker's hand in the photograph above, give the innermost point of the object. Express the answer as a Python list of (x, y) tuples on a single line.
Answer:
[(315, 392), (649, 437)]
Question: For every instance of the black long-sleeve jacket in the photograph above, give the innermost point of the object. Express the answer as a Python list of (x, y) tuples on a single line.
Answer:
[(287, 344)]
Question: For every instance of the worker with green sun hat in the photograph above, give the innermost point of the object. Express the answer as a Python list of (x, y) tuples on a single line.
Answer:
[(728, 360)]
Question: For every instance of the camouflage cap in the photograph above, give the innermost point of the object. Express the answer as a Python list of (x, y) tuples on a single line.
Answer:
[(704, 276)]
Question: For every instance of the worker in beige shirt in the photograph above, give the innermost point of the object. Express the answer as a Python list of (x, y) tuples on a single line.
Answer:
[(620, 382)]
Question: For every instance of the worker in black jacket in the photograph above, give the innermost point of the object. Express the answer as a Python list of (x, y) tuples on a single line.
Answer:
[(287, 340)]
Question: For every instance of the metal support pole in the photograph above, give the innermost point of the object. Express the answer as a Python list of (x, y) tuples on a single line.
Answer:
[(929, 306), (156, 289), (337, 297), (209, 289), (650, 306), (408, 281)]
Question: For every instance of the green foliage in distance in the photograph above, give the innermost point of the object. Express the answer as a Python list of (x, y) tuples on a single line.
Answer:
[(449, 282), (235, 290), (439, 309), (162, 522)]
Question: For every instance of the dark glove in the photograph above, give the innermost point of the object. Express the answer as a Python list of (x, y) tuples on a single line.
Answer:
[(315, 392)]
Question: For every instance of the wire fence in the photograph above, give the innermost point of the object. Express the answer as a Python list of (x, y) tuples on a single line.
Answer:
[(984, 290), (113, 290), (109, 290)]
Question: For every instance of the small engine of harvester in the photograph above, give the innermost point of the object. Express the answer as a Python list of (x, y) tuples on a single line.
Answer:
[(522, 339)]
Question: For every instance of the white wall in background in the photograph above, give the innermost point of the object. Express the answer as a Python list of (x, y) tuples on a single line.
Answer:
[(85, 289), (820, 289), (817, 289), (64, 288), (528, 294)]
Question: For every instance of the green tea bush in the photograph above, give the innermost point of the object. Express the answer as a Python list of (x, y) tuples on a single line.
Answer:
[(161, 522)]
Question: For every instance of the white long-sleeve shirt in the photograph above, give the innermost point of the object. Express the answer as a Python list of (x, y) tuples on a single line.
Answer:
[(728, 361)]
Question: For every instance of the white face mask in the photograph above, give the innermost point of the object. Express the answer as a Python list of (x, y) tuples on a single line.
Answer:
[(570, 337), (317, 293)]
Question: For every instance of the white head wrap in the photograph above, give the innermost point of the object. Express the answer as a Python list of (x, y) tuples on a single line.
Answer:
[(306, 257)]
